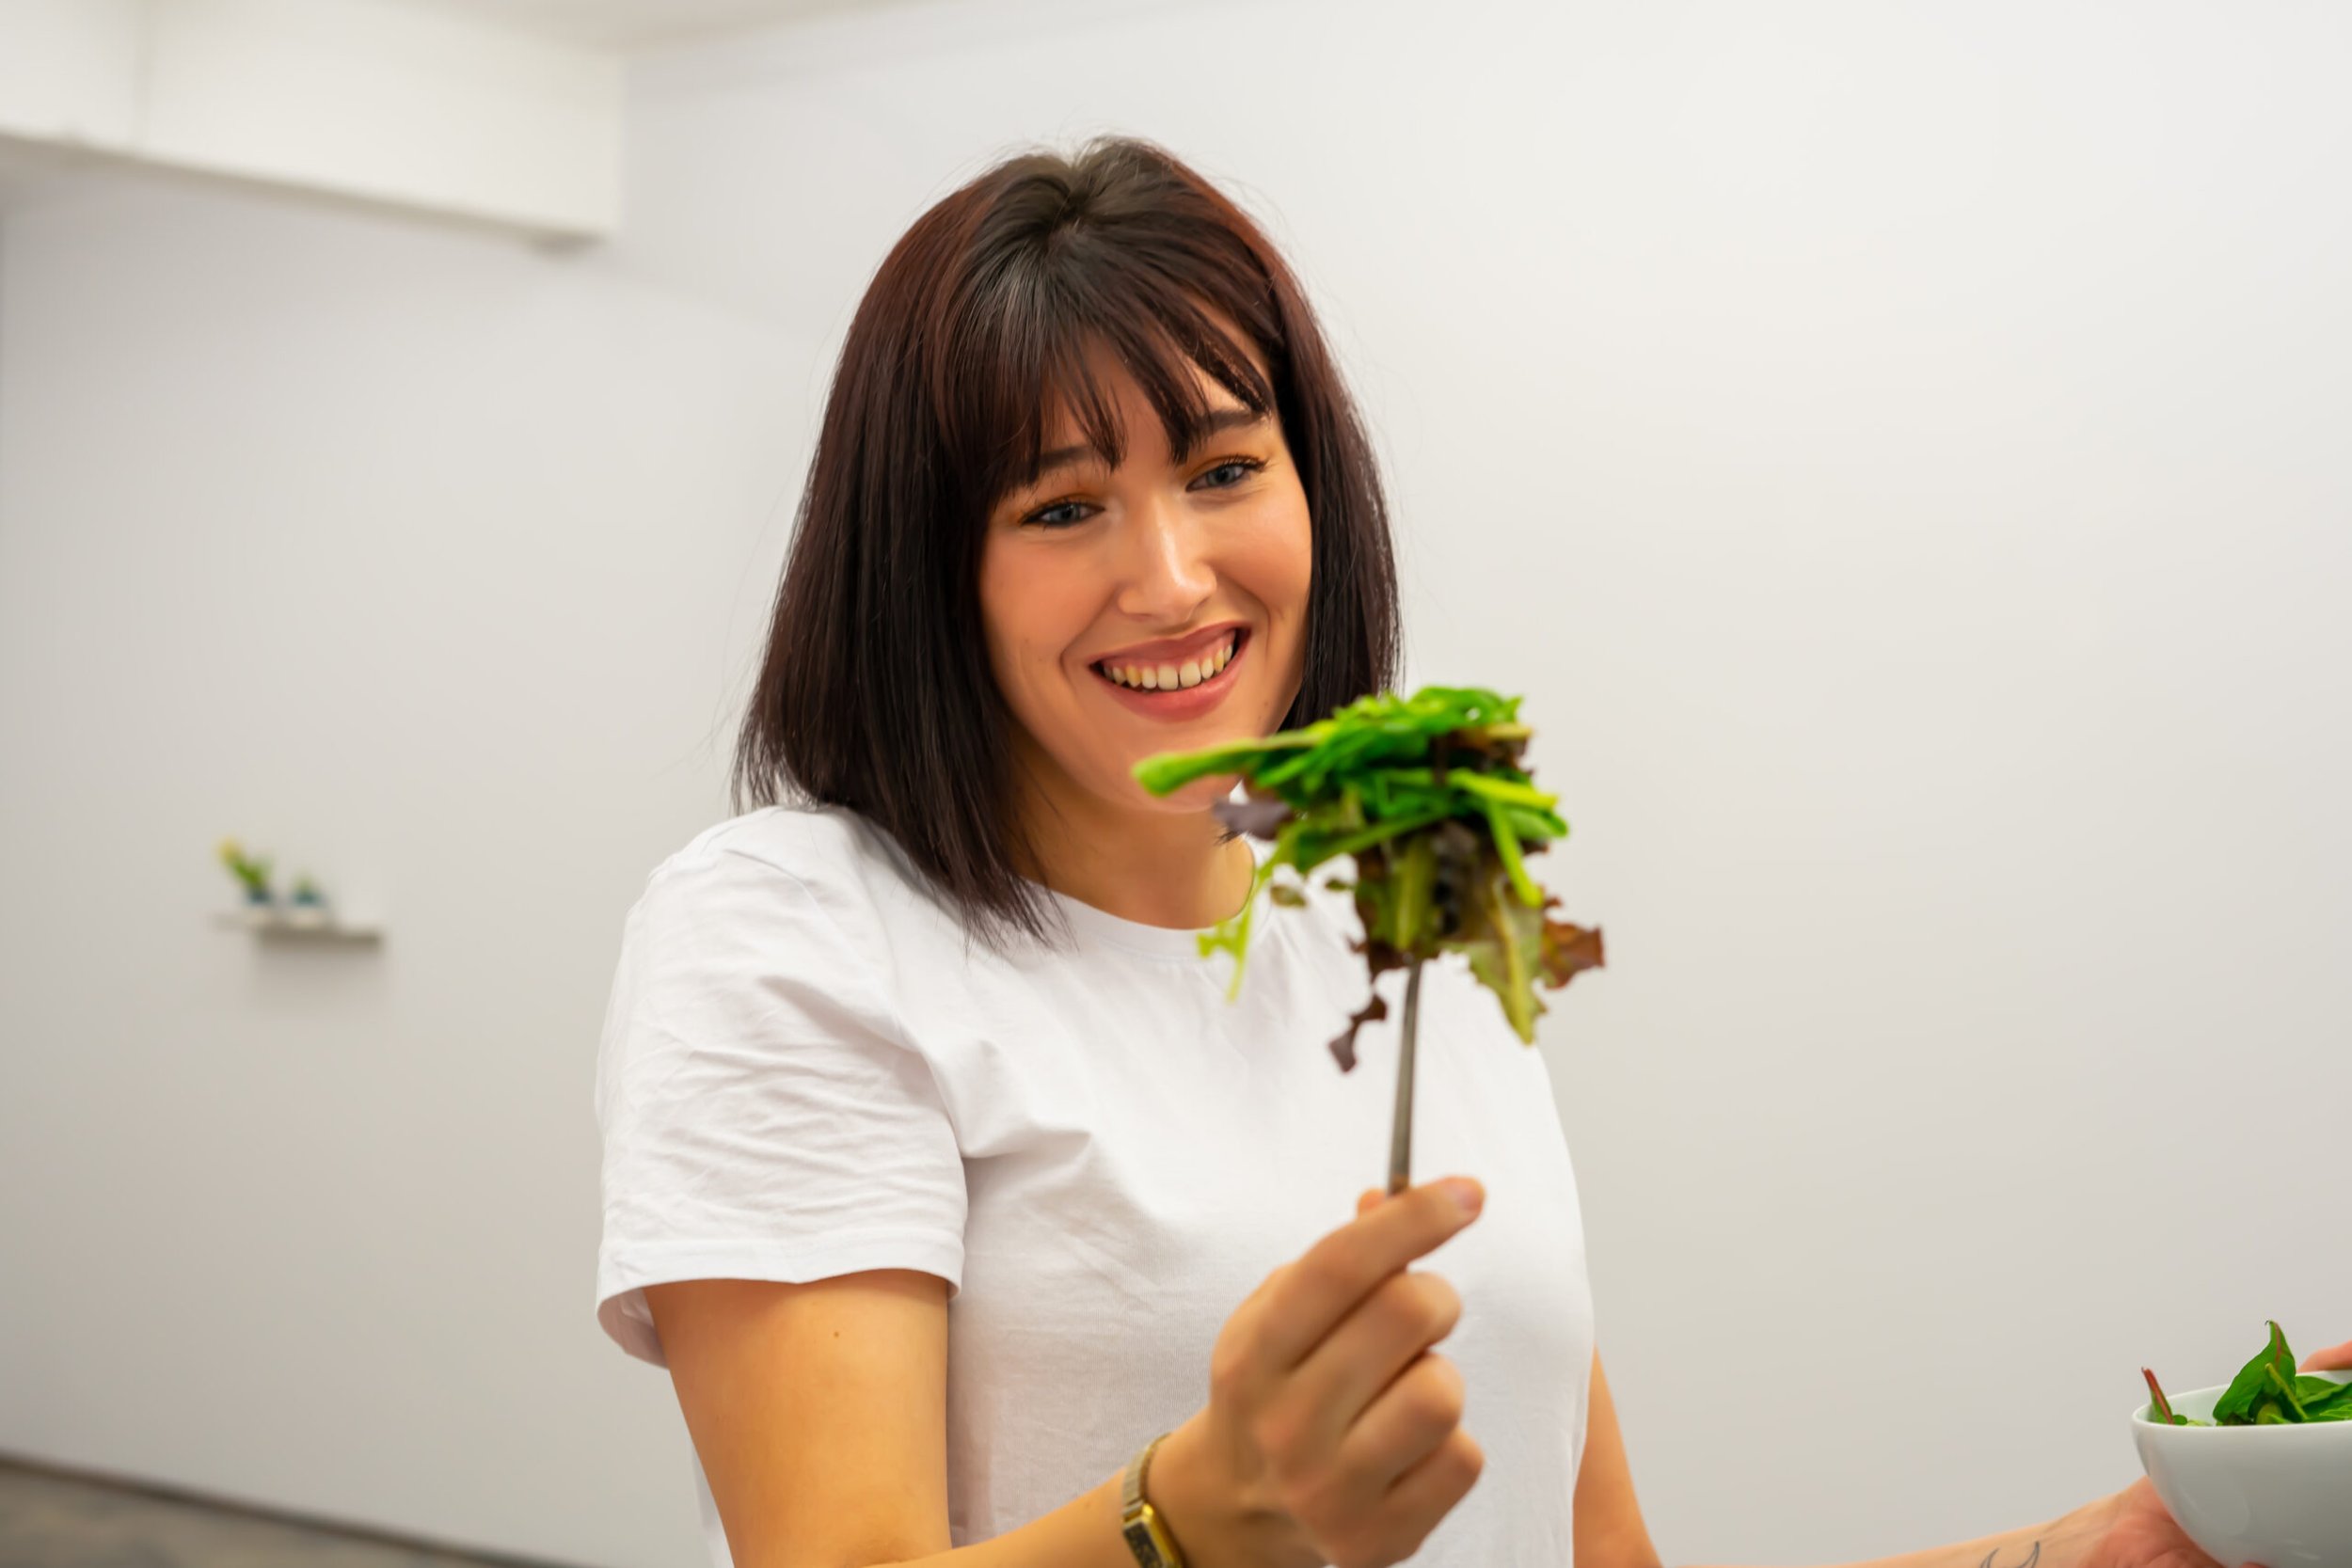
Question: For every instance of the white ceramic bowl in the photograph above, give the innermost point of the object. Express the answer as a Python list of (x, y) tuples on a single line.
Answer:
[(2276, 1495)]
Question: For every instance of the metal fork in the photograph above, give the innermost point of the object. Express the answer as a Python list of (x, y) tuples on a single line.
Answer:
[(1400, 1135)]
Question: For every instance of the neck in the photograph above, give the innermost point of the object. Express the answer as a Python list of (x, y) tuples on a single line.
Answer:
[(1157, 868)]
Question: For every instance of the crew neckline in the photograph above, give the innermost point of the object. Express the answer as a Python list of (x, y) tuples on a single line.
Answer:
[(1163, 941)]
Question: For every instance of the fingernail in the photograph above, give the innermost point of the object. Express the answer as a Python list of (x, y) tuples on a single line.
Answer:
[(1465, 1192)]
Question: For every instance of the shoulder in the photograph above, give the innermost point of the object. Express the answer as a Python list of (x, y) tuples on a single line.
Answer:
[(815, 843), (834, 855), (824, 875), (755, 920)]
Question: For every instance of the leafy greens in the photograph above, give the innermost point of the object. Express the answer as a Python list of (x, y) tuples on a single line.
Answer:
[(1428, 795), (2267, 1391)]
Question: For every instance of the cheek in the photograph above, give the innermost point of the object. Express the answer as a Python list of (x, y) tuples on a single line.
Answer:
[(1286, 572), (1029, 613), (1282, 564), (1299, 558), (1004, 620)]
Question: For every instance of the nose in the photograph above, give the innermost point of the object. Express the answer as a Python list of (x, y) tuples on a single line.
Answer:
[(1167, 574)]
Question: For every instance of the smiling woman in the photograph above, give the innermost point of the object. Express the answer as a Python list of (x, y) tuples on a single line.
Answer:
[(969, 1247)]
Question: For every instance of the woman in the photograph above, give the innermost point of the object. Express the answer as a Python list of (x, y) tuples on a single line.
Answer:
[(959, 1203)]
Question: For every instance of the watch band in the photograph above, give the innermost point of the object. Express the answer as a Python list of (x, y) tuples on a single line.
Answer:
[(1146, 1531)]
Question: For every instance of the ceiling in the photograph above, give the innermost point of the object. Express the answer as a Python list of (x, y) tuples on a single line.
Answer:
[(632, 23), (29, 166)]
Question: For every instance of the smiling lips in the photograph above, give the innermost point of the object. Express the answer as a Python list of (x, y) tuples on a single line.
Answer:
[(1176, 692), (1168, 676)]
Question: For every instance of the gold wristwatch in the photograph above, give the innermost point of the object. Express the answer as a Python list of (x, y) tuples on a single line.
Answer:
[(1147, 1532)]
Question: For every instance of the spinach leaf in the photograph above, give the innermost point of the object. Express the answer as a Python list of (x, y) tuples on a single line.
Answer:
[(2161, 1407), (2247, 1390), (2325, 1399), (2267, 1391)]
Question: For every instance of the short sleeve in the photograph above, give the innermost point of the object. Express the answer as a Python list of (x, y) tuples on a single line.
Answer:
[(763, 1115)]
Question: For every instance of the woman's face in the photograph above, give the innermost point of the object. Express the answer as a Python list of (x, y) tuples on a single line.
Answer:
[(1096, 585)]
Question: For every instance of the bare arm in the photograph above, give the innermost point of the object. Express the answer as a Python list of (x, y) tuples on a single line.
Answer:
[(2062, 1543), (819, 1414), (1610, 1532)]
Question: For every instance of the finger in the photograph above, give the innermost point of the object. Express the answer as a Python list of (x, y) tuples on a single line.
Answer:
[(1399, 1427), (1361, 1360), (2334, 1359), (1367, 1200), (1339, 1271)]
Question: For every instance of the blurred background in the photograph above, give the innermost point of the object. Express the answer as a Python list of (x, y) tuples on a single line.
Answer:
[(1897, 448)]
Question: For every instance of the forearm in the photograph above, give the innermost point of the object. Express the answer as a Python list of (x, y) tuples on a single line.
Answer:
[(2062, 1543), (1086, 1531)]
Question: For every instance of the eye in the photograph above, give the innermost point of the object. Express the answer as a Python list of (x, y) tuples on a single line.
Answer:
[(1246, 467), (1062, 514), (1043, 517)]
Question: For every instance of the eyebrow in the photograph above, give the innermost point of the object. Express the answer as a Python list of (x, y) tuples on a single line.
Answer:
[(1218, 422)]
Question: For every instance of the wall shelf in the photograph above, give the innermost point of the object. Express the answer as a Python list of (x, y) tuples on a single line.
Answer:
[(307, 925)]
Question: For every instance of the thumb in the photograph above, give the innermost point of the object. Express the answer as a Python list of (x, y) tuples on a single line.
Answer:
[(1367, 1200), (2335, 1358)]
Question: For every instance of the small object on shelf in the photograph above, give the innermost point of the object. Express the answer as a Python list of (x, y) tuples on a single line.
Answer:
[(309, 906), (306, 912), (275, 922), (253, 871)]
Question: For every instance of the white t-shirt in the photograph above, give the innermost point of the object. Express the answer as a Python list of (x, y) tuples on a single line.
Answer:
[(806, 1070)]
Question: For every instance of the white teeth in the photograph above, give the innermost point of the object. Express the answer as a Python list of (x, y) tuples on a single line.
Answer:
[(1166, 677)]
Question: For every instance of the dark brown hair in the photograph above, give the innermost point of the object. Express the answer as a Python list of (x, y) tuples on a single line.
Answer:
[(873, 693)]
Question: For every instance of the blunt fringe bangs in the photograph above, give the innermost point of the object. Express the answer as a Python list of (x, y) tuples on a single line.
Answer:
[(976, 331)]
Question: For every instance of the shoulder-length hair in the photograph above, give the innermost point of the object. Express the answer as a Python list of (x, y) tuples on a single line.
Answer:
[(875, 694)]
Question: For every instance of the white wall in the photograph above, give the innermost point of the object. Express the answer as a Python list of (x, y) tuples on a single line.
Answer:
[(427, 562), (1894, 448)]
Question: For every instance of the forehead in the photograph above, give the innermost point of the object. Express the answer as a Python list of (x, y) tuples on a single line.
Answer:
[(1111, 374), (1074, 384), (1063, 417)]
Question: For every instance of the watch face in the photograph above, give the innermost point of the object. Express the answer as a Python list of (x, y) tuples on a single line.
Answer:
[(1139, 1542)]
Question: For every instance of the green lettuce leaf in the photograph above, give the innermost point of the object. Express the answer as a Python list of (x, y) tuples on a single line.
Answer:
[(1427, 796)]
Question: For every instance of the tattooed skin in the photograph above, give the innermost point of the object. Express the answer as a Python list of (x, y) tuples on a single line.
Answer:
[(2026, 1563)]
